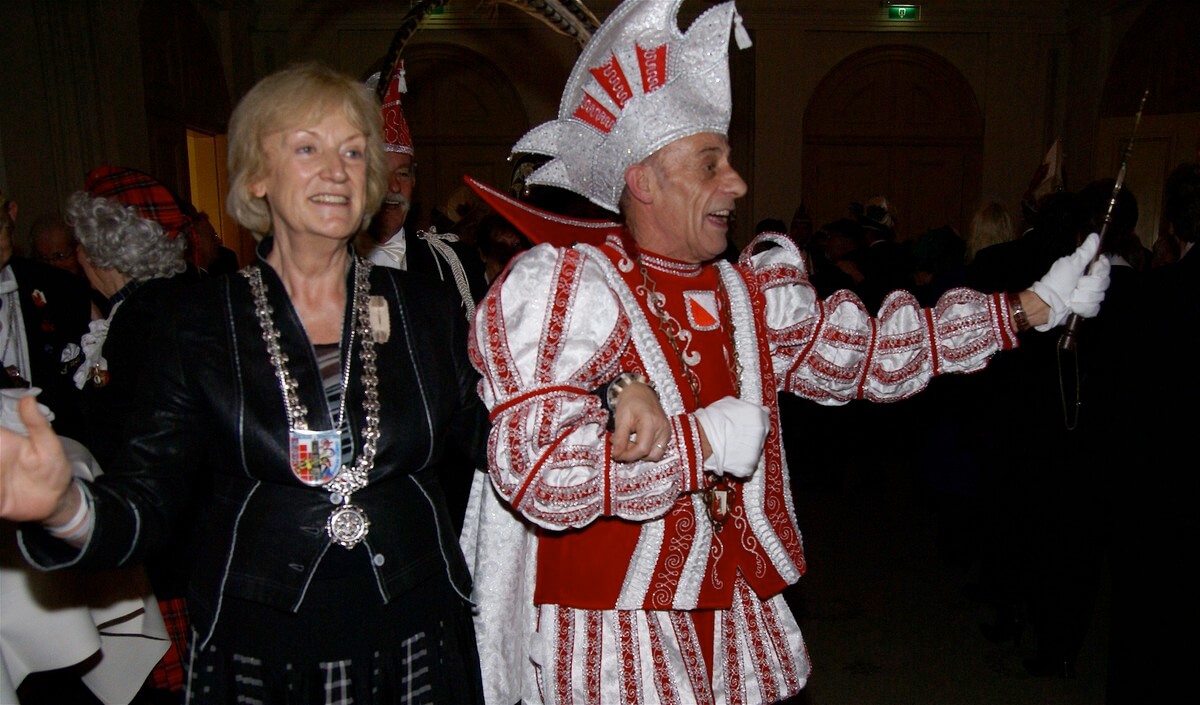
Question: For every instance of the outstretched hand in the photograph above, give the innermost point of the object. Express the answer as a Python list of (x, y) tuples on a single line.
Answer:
[(1089, 290), (34, 471), (641, 430), (1059, 285)]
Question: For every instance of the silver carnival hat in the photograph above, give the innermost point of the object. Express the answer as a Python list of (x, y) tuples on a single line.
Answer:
[(607, 122)]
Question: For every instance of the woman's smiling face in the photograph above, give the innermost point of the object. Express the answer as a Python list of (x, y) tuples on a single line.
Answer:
[(315, 182)]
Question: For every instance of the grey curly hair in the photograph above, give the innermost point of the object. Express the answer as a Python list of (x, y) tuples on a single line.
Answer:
[(116, 237)]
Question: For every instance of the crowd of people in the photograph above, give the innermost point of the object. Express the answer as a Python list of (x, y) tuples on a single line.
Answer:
[(1035, 523), (542, 459)]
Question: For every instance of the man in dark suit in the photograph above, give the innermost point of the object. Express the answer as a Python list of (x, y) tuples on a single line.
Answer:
[(390, 244), (1150, 437), (43, 312), (1069, 491)]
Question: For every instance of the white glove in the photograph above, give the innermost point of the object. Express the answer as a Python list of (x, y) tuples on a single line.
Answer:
[(1089, 292), (1060, 282), (736, 431)]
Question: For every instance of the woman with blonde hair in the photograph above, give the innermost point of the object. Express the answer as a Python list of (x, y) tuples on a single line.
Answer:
[(991, 225), (304, 405)]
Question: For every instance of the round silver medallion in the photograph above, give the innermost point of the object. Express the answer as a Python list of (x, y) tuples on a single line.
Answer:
[(348, 525)]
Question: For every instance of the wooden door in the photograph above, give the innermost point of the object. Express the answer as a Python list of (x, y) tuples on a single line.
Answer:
[(184, 83)]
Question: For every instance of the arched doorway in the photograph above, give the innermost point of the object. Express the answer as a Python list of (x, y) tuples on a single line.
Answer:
[(465, 116), (898, 121)]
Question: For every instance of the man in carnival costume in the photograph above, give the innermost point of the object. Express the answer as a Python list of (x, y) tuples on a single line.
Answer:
[(437, 254), (431, 253), (658, 579)]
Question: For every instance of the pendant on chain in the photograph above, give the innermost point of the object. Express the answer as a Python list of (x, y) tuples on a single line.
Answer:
[(717, 500), (348, 525), (316, 456)]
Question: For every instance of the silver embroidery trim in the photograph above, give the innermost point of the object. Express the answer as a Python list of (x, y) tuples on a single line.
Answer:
[(660, 264), (754, 493), (688, 592), (695, 295), (645, 556)]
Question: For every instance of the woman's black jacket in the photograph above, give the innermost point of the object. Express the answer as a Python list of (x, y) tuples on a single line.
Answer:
[(211, 428)]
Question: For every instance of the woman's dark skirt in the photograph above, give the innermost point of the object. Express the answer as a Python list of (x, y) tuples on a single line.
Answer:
[(342, 647)]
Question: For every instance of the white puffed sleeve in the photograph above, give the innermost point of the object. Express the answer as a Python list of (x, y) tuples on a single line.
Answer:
[(549, 332), (833, 350)]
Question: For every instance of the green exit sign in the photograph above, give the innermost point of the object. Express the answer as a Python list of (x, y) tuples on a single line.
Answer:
[(904, 13)]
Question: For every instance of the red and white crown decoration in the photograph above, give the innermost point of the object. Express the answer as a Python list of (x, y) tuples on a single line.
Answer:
[(396, 137), (607, 122)]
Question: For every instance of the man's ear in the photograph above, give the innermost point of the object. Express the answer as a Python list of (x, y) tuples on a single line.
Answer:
[(12, 211), (639, 179)]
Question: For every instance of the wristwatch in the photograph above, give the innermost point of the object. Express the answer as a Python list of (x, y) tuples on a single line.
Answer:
[(610, 393)]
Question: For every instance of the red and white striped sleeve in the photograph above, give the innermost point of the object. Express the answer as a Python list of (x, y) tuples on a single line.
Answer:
[(833, 350), (547, 333)]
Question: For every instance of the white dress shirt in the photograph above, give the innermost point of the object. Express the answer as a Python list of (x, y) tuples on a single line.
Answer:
[(390, 253)]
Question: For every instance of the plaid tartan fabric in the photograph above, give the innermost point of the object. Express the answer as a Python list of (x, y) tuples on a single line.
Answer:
[(407, 676), (168, 672), (131, 187)]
